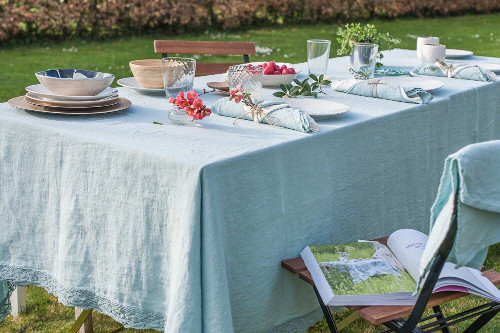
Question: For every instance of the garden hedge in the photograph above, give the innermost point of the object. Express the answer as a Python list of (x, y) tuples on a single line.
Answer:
[(26, 20)]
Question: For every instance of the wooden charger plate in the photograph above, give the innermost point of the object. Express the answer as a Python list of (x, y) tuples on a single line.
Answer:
[(73, 104), (221, 86), (20, 103)]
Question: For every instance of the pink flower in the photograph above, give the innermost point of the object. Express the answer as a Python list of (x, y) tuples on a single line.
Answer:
[(171, 100), (191, 95), (180, 99), (198, 103)]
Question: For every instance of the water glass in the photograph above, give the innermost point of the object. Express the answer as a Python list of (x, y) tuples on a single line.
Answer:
[(318, 53), (178, 75), (249, 78), (364, 58)]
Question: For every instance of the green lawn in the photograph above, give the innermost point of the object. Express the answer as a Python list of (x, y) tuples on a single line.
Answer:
[(479, 33)]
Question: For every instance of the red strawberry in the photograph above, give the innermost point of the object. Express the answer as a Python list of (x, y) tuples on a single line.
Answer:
[(285, 71), (268, 70), (291, 70), (272, 63), (276, 72), (283, 67)]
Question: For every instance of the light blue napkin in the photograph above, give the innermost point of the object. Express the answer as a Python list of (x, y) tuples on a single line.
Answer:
[(5, 291), (472, 174), (276, 113), (456, 70), (379, 88)]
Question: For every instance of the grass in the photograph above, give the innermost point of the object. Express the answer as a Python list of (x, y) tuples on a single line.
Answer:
[(479, 33)]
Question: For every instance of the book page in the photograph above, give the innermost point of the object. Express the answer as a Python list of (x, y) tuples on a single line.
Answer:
[(408, 246), (362, 268)]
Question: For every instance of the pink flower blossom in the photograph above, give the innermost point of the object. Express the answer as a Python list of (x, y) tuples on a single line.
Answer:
[(193, 106), (191, 95), (198, 103)]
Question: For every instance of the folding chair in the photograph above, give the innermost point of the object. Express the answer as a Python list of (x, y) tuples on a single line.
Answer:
[(391, 316), (206, 47)]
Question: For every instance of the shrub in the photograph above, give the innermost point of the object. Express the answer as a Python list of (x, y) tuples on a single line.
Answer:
[(27, 20)]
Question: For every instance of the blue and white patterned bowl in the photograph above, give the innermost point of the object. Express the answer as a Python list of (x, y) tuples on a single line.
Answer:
[(74, 82)]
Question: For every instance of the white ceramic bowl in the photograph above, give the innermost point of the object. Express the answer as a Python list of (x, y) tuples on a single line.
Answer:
[(275, 80), (74, 82)]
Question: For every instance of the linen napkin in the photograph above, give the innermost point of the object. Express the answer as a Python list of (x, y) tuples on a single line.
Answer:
[(456, 70), (379, 88), (274, 113), (471, 176)]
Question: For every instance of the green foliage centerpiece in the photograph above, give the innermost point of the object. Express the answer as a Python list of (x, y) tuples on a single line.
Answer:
[(353, 33)]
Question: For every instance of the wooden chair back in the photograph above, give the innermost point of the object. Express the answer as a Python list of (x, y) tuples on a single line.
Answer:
[(165, 47)]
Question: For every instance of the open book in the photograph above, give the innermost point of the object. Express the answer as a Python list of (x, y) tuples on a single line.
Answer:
[(370, 273)]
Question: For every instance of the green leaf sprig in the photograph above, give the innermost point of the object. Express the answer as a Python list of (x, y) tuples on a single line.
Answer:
[(359, 75), (303, 88)]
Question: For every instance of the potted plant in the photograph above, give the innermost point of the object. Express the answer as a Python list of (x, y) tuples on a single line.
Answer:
[(353, 33)]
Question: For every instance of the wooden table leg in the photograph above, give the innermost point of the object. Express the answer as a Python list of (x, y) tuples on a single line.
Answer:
[(88, 326), (18, 301)]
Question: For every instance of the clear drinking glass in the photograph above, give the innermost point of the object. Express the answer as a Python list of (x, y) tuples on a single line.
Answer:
[(178, 75), (249, 78), (364, 58), (318, 53)]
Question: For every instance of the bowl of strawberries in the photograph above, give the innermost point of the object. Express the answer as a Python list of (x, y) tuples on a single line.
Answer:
[(275, 74)]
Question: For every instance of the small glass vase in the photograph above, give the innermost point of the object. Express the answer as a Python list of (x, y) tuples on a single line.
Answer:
[(364, 58), (178, 116)]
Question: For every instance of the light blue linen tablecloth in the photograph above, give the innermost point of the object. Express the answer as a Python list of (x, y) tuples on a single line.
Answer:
[(182, 229)]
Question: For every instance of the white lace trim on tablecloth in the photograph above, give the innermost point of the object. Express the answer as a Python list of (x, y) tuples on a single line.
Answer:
[(128, 316)]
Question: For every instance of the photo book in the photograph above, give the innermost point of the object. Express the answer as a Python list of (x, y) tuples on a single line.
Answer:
[(371, 273)]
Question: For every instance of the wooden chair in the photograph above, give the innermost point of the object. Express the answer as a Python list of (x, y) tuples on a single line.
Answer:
[(246, 49), (391, 316)]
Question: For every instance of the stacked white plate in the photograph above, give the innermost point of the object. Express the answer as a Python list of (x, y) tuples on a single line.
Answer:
[(39, 99)]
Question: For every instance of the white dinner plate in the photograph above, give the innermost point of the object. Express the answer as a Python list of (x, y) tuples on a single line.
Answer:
[(37, 90), (423, 82), (318, 109), (131, 83), (457, 54)]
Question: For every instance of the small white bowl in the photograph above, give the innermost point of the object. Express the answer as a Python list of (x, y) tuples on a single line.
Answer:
[(276, 80), (74, 82)]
